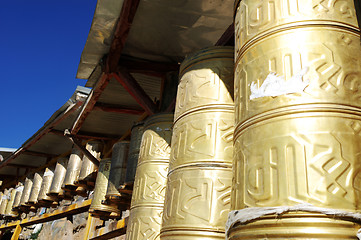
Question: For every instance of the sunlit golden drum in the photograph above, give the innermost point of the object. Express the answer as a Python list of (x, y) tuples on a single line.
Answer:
[(134, 148), (35, 190), (72, 170), (43, 199), (150, 180), (26, 192), (19, 192), (117, 172), (4, 201), (197, 197), (97, 209), (296, 142), (9, 207), (58, 179), (206, 81)]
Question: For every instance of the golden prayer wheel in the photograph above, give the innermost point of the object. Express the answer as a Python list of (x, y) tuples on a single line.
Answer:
[(150, 180), (297, 82), (198, 190), (97, 209), (117, 173), (58, 179), (9, 207), (134, 148), (35, 189), (88, 168), (26, 194), (43, 199), (19, 192), (4, 201), (72, 170)]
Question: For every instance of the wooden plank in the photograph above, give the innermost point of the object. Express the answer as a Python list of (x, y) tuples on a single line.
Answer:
[(147, 67), (21, 166), (116, 109), (88, 135), (38, 154), (227, 37), (120, 35), (135, 90), (92, 99), (120, 230)]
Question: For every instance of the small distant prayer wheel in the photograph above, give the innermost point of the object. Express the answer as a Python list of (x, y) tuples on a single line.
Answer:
[(35, 189), (117, 174), (19, 192), (88, 170), (55, 191), (43, 198), (4, 201), (298, 119), (150, 180), (9, 207), (72, 171), (26, 194), (134, 148), (97, 209)]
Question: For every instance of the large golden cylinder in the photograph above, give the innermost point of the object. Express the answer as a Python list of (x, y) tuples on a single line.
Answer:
[(117, 172), (9, 207), (88, 167), (297, 82), (72, 170), (26, 192), (58, 179), (19, 192), (4, 201), (200, 171), (150, 180), (43, 198), (35, 189), (134, 148), (98, 209)]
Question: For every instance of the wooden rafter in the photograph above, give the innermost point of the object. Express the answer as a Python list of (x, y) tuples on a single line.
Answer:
[(21, 166), (92, 99), (38, 154), (116, 109), (226, 37), (148, 67), (135, 90), (88, 135), (121, 33)]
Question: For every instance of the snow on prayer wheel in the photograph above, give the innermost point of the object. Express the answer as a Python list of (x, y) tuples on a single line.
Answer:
[(298, 120), (150, 180), (200, 172)]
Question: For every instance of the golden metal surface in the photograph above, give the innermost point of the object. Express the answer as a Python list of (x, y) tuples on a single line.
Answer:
[(26, 192), (35, 189), (97, 208), (329, 54), (296, 226), (19, 192), (197, 197), (134, 148), (256, 19), (206, 80), (9, 206), (203, 137), (48, 176), (298, 146), (87, 166), (117, 171), (150, 180), (4, 201), (73, 169), (197, 201), (58, 179)]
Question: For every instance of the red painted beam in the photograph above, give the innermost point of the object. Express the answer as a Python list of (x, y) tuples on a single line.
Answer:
[(89, 105), (226, 37), (116, 109), (121, 33), (135, 90)]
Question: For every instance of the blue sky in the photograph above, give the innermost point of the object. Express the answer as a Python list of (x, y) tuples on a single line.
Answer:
[(40, 47)]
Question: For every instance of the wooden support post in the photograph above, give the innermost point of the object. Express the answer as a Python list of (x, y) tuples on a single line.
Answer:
[(17, 232), (135, 90), (78, 144), (227, 37)]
